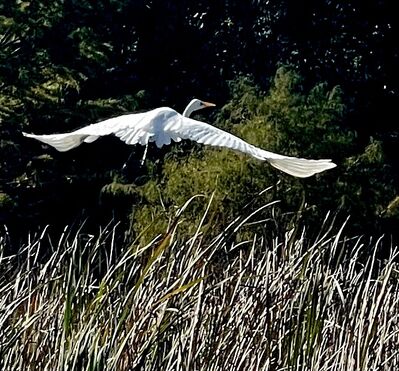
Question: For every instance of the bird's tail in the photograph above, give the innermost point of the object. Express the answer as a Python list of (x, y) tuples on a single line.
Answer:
[(301, 167), (61, 142)]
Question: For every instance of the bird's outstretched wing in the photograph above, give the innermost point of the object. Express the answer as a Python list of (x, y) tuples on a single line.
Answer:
[(198, 131), (130, 128), (164, 124)]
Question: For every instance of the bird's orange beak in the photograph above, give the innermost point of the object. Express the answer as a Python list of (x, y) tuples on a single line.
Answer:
[(208, 104)]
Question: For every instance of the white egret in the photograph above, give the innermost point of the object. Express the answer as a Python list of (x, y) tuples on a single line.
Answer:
[(162, 125)]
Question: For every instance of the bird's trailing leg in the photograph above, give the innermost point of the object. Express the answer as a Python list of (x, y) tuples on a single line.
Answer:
[(144, 155), (125, 165), (133, 170)]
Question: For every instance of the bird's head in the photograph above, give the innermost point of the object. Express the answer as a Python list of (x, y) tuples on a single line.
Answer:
[(196, 105)]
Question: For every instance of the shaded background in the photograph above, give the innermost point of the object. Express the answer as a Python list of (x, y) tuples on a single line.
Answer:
[(69, 63)]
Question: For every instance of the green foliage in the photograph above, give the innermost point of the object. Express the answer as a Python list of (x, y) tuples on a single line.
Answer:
[(65, 64), (392, 210), (287, 120), (53, 84), (48, 62), (6, 202), (290, 120), (368, 185), (89, 47)]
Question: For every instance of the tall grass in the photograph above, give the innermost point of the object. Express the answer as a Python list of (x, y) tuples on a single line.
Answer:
[(289, 303)]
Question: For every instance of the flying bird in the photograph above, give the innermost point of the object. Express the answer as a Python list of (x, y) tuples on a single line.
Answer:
[(162, 125)]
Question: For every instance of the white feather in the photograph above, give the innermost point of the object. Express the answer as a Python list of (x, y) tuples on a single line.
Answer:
[(162, 125)]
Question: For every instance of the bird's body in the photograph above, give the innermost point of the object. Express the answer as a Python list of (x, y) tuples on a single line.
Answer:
[(162, 125)]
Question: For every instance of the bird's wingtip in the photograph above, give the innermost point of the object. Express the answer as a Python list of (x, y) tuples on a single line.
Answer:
[(331, 164), (27, 135)]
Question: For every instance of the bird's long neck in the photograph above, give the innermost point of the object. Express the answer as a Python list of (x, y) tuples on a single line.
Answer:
[(188, 111)]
